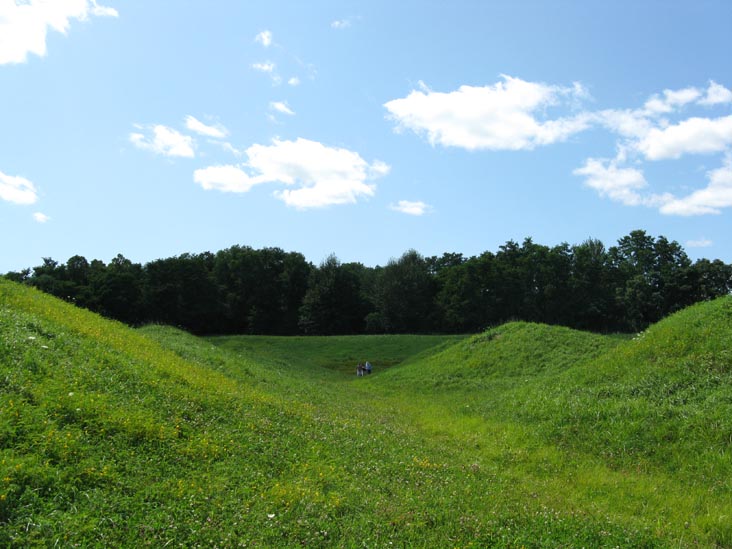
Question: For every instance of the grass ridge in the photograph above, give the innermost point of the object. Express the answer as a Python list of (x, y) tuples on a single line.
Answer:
[(524, 435)]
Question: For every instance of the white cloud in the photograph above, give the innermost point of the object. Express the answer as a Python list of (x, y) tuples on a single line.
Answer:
[(514, 114), (24, 25), (631, 124), (618, 184), (325, 175), (165, 141), (378, 169), (700, 243), (625, 185), (229, 147), (650, 132), (264, 38), (270, 68), (657, 132), (709, 200), (294, 81), (340, 24), (103, 11), (41, 217), (281, 107), (17, 190), (266, 66), (228, 179), (321, 175), (693, 135), (716, 95), (195, 125), (671, 100), (504, 116), (411, 208)]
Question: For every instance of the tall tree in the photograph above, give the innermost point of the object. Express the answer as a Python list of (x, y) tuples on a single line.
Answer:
[(333, 302), (711, 279), (404, 295), (591, 295), (119, 291), (181, 291)]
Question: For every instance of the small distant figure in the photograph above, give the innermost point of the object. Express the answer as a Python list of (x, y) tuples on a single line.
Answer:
[(367, 367), (360, 370)]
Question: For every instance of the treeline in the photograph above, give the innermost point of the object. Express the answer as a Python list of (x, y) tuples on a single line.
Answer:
[(241, 290)]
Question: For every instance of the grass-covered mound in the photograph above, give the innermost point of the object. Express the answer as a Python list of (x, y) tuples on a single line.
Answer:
[(120, 437), (339, 353), (641, 425)]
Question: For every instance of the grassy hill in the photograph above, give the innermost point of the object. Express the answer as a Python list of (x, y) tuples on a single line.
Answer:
[(526, 435)]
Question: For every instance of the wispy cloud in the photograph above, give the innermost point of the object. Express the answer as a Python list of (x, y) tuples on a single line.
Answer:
[(17, 190), (270, 68), (281, 107), (341, 23), (163, 140), (264, 38), (265, 66), (319, 175), (509, 115), (708, 200), (716, 94), (229, 147), (25, 25), (41, 217), (700, 243), (411, 208), (227, 179), (671, 100), (216, 131), (619, 184), (294, 81)]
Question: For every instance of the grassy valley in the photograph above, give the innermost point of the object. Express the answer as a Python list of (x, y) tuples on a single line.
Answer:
[(525, 435)]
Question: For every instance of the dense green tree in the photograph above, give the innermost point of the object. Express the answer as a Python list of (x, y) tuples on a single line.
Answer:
[(181, 291), (403, 296), (651, 277), (22, 276), (711, 279), (591, 295), (119, 291), (294, 280), (462, 301), (333, 303), (261, 290), (269, 291)]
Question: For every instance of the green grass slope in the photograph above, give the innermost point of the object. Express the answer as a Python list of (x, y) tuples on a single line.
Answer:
[(506, 354), (641, 426), (338, 353), (518, 437)]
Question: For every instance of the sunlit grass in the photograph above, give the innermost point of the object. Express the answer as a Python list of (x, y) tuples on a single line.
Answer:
[(526, 435)]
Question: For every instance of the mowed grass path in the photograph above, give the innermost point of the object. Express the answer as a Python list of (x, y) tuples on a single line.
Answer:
[(526, 435)]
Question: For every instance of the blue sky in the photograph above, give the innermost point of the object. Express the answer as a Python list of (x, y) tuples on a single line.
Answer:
[(154, 128)]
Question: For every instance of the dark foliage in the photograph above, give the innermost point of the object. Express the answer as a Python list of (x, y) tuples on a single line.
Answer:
[(269, 291)]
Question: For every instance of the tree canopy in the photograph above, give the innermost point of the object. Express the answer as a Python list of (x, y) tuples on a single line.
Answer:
[(243, 290)]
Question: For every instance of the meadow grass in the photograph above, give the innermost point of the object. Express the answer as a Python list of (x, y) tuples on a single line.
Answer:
[(338, 353), (525, 435)]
